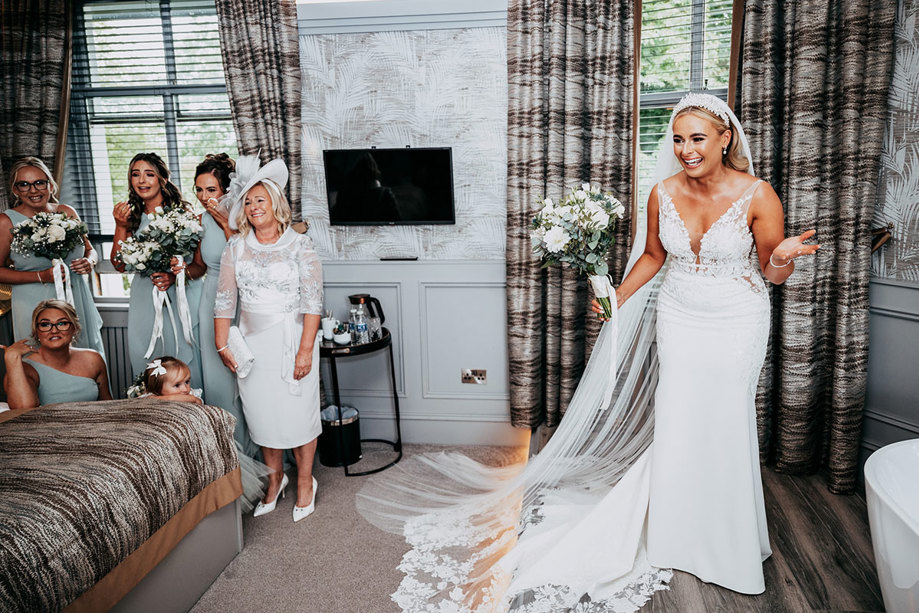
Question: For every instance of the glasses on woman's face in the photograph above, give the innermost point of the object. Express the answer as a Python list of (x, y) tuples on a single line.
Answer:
[(62, 325), (24, 186)]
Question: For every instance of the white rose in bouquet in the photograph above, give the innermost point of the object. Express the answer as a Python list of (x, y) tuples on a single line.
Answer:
[(556, 239), (56, 234)]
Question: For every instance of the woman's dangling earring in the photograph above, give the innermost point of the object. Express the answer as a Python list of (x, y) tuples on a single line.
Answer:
[(724, 151)]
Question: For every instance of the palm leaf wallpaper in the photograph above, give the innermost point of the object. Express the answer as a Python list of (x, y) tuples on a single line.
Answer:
[(433, 88), (899, 182)]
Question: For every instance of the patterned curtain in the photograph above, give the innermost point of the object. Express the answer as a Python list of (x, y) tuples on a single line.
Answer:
[(570, 102), (261, 58), (814, 85), (35, 84)]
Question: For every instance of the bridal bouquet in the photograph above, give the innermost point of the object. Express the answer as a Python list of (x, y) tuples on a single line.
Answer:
[(578, 231), (175, 233), (52, 236)]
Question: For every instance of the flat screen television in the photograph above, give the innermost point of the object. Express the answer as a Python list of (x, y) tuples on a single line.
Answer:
[(370, 187)]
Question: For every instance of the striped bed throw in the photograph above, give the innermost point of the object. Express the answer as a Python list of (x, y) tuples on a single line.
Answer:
[(83, 485)]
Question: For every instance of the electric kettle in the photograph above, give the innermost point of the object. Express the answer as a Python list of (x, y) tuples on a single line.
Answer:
[(369, 301)]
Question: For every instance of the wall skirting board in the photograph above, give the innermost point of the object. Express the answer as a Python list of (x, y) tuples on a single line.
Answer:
[(444, 316), (892, 400)]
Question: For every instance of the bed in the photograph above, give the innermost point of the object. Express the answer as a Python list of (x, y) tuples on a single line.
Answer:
[(94, 496)]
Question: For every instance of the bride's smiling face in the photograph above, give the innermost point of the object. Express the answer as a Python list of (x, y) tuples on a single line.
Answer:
[(698, 144)]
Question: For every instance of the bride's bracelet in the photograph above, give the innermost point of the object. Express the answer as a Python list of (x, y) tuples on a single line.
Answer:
[(774, 265)]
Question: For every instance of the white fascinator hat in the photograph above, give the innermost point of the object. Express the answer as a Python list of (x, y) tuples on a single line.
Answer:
[(248, 174)]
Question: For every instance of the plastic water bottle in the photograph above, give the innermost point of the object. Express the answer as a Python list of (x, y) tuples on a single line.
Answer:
[(361, 329)]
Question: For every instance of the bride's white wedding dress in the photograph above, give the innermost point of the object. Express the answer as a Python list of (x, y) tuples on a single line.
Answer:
[(597, 519), (699, 482), (706, 514), (692, 500)]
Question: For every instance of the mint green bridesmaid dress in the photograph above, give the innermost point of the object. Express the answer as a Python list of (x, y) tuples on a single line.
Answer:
[(219, 383), (58, 386), (27, 295), (140, 324)]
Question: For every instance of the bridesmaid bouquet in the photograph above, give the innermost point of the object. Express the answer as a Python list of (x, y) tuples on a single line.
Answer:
[(579, 231), (175, 233), (52, 236)]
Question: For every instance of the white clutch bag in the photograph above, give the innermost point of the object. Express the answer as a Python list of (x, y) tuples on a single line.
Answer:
[(241, 352)]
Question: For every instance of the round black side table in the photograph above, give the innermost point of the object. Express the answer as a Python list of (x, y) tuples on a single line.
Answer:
[(333, 351)]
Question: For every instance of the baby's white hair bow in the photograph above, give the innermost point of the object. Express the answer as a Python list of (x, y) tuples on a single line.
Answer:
[(157, 367)]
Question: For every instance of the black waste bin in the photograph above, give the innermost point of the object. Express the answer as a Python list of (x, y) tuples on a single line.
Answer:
[(340, 441)]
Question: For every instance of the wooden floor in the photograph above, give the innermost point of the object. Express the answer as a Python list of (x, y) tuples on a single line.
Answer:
[(821, 557)]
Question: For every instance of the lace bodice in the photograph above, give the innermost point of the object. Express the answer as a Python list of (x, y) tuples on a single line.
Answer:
[(725, 249), (285, 277)]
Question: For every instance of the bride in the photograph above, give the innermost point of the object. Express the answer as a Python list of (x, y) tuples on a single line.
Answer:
[(655, 465)]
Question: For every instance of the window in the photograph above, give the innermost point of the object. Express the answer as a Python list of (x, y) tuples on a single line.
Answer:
[(147, 76), (685, 46)]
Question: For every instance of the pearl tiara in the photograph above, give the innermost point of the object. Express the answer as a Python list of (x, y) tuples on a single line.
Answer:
[(704, 101)]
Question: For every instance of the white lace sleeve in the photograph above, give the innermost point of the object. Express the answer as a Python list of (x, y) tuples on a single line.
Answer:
[(310, 278), (225, 302)]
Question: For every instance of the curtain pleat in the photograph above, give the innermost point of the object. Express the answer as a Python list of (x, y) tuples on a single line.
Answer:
[(261, 59), (34, 67), (570, 105), (814, 85)]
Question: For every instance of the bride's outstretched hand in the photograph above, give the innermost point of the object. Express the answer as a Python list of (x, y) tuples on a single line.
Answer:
[(794, 246)]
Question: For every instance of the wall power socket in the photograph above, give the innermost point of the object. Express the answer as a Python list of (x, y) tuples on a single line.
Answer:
[(473, 375)]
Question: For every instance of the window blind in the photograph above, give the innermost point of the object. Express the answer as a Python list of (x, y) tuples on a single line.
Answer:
[(147, 76), (685, 46)]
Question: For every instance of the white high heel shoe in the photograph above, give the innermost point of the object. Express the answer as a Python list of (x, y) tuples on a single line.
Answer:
[(302, 512), (263, 508)]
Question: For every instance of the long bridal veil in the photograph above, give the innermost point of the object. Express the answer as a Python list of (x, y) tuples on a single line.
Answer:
[(462, 518)]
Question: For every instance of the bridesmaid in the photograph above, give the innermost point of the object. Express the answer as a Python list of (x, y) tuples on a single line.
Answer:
[(56, 371), (212, 179), (31, 277), (150, 188)]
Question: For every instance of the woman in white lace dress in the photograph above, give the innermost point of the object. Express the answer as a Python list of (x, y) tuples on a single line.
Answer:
[(655, 465), (276, 277)]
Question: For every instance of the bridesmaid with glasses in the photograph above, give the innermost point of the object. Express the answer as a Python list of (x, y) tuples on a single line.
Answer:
[(31, 277), (51, 369)]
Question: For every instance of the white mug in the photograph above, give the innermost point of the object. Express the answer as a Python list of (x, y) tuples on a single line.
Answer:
[(328, 325)]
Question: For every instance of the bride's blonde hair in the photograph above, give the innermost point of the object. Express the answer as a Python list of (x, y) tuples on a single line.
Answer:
[(735, 158)]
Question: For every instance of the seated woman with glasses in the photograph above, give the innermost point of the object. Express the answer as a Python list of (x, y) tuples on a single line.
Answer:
[(32, 277), (51, 369)]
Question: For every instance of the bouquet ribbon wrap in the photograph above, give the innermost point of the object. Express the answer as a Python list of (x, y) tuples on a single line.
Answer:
[(184, 311), (161, 300), (605, 293), (63, 286)]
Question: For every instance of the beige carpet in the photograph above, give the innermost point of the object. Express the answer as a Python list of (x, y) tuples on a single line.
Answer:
[(331, 562)]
